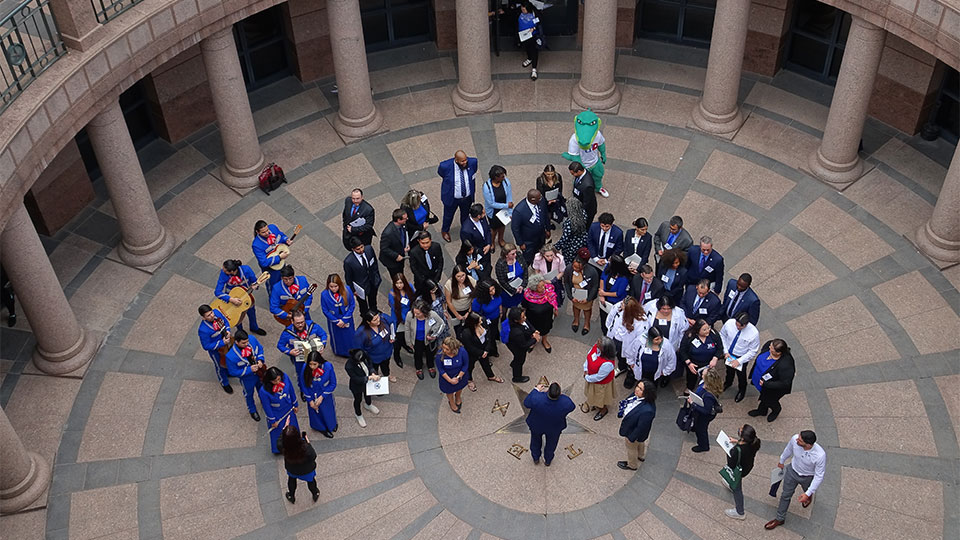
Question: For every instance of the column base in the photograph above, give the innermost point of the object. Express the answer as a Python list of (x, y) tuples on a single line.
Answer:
[(465, 103), (355, 129), (943, 252), (149, 257), (839, 175), (28, 491), (242, 180), (72, 362), (725, 126), (607, 101)]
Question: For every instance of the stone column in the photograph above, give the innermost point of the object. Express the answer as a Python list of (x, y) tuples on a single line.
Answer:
[(77, 23), (475, 92), (24, 475), (837, 159), (718, 112), (940, 238), (358, 117), (144, 243), (243, 159), (63, 346), (597, 89)]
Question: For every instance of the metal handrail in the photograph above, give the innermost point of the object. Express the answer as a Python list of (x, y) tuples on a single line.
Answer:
[(109, 9), (30, 43)]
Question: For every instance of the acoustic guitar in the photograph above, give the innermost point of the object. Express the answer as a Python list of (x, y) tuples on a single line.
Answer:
[(235, 313), (280, 249), (292, 305), (227, 343)]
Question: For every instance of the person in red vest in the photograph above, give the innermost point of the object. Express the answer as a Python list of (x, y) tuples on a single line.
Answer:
[(598, 371)]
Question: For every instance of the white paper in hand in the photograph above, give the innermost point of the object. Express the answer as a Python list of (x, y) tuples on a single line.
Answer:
[(504, 216), (724, 441), (580, 295), (358, 291), (697, 400), (378, 388), (553, 194), (729, 362)]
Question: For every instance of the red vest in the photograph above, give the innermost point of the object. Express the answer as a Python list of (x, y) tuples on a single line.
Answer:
[(594, 361)]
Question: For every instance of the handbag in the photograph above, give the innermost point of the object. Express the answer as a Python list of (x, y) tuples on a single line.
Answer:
[(685, 418), (732, 476)]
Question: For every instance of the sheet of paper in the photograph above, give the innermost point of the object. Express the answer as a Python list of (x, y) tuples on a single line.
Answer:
[(730, 360), (634, 261), (504, 216), (358, 290), (359, 222), (551, 275), (378, 388), (724, 441), (696, 399), (526, 34), (553, 194), (516, 282), (580, 295), (595, 264)]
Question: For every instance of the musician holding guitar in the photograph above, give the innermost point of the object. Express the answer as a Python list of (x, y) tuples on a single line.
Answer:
[(245, 361), (266, 239), (302, 330), (215, 338), (291, 287), (236, 274)]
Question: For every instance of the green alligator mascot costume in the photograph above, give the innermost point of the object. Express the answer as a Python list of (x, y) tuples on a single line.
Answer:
[(588, 147)]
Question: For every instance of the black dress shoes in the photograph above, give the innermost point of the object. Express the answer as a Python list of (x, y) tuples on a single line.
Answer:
[(255, 415), (11, 321), (739, 397), (773, 416), (290, 497), (228, 389), (327, 434), (623, 465), (755, 412), (259, 331), (522, 379)]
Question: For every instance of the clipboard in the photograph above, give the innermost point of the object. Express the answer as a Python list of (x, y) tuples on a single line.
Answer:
[(553, 194)]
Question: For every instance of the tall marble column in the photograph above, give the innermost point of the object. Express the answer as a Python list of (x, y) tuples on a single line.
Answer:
[(475, 92), (718, 112), (63, 346), (939, 238), (24, 475), (144, 243), (837, 159), (597, 90), (358, 117), (243, 159)]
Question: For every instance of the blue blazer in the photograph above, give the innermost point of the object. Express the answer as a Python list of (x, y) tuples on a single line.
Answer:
[(524, 232), (547, 415), (281, 294), (469, 232), (636, 425), (446, 173), (642, 247), (711, 303), (260, 247), (714, 261), (593, 240), (237, 365), (247, 278), (749, 302), (211, 339)]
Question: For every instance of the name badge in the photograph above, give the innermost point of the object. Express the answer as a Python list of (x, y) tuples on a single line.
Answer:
[(667, 246), (732, 294), (448, 362), (648, 350), (423, 197), (489, 321), (664, 278), (467, 290), (383, 333), (703, 311), (609, 245), (662, 322), (576, 192), (511, 274), (583, 284), (611, 281), (646, 295), (533, 218), (697, 343), (708, 269), (431, 322), (404, 300)]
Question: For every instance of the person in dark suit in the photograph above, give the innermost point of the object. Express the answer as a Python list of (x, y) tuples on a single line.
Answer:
[(426, 262), (672, 273), (645, 286), (520, 341), (772, 373), (476, 230), (395, 243), (637, 241), (530, 224), (638, 412), (362, 273), (549, 408), (740, 297), (671, 235), (457, 188), (699, 302), (704, 262), (604, 239), (358, 217), (584, 189)]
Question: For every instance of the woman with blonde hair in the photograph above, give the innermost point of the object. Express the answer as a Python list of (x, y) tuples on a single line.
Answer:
[(549, 261), (453, 362), (709, 388)]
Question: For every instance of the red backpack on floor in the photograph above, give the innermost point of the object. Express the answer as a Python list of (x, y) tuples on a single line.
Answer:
[(271, 178)]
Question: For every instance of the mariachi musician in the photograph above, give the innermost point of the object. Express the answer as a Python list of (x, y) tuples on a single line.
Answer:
[(265, 239), (291, 287), (214, 332), (236, 274), (302, 329), (245, 361)]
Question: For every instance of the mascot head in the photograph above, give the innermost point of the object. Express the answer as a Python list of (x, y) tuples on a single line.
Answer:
[(586, 126)]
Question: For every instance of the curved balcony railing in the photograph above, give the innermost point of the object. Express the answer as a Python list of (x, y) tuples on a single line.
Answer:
[(30, 43), (108, 9)]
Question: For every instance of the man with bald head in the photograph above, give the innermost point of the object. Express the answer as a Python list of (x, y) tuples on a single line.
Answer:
[(457, 188), (530, 224)]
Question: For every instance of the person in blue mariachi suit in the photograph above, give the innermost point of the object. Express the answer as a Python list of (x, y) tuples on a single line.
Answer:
[(318, 381), (266, 238), (236, 274), (245, 361), (214, 332), (279, 400), (302, 329), (338, 304), (291, 287)]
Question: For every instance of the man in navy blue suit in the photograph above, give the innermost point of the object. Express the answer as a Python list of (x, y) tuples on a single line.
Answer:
[(604, 239), (457, 188), (476, 229), (699, 302), (530, 224), (638, 412), (704, 262), (548, 418), (740, 297)]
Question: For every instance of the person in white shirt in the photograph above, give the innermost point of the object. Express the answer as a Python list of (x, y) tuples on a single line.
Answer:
[(741, 343), (806, 469)]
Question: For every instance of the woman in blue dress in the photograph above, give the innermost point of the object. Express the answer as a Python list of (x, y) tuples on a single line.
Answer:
[(418, 212), (279, 400), (337, 303), (376, 336), (453, 363), (318, 383), (511, 268), (487, 303)]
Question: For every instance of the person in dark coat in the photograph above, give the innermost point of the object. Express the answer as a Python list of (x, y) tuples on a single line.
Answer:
[(584, 189), (772, 373), (548, 418), (743, 454), (358, 217), (426, 262), (395, 243), (362, 274), (521, 341), (299, 459), (638, 412), (360, 370)]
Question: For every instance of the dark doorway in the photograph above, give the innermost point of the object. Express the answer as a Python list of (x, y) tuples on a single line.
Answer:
[(394, 23), (818, 35), (680, 21), (948, 113), (262, 48)]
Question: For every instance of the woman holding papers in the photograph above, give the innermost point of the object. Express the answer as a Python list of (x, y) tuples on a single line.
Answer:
[(471, 259), (700, 347), (512, 274), (498, 202), (360, 371), (478, 340), (521, 340), (549, 262), (375, 337), (772, 374), (458, 292), (637, 242), (670, 320), (742, 455), (423, 328), (550, 185), (454, 364), (627, 323), (318, 383), (540, 301), (652, 358), (575, 230), (614, 281), (279, 400), (418, 212), (487, 303), (581, 281), (705, 406)]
